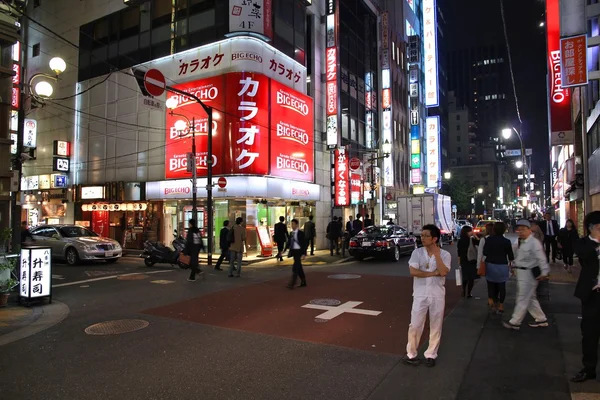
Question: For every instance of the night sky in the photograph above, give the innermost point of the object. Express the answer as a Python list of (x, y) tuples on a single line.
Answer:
[(478, 22)]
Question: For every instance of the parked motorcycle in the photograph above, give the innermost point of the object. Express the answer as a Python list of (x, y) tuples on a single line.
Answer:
[(157, 253)]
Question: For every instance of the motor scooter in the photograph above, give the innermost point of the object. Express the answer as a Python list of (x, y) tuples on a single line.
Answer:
[(158, 253)]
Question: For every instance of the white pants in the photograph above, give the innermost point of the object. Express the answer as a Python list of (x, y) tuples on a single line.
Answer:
[(420, 307), (526, 298)]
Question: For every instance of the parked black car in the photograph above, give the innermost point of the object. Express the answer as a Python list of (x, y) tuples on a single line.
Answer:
[(382, 241)]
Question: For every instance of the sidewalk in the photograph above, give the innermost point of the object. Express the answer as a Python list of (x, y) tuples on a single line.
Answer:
[(18, 322)]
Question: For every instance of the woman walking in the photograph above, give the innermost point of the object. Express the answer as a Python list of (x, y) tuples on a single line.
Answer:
[(467, 257), (193, 245), (567, 237), (498, 253)]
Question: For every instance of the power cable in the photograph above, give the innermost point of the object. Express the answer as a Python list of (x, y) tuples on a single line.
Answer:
[(510, 65)]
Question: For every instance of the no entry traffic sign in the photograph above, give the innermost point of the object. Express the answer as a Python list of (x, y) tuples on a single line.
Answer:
[(154, 82), (354, 163), (222, 182)]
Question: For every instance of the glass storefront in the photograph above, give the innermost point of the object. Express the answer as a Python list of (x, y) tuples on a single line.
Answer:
[(255, 212)]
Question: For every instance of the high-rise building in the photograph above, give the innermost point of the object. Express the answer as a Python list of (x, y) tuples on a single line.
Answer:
[(480, 78)]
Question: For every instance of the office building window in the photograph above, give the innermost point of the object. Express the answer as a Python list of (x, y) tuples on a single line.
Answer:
[(35, 50)]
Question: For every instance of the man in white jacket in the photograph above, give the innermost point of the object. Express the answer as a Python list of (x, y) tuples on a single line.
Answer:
[(428, 266), (532, 267)]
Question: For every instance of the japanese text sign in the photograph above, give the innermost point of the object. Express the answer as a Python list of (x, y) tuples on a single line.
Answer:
[(341, 178), (356, 188), (30, 133), (35, 272), (430, 45), (251, 16), (573, 57), (433, 151)]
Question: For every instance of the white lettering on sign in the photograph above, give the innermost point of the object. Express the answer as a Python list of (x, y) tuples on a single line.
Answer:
[(180, 163), (293, 103), (430, 47), (203, 93), (300, 192), (177, 190), (292, 164), (249, 89), (288, 131), (558, 95), (341, 178), (246, 55), (335, 311)]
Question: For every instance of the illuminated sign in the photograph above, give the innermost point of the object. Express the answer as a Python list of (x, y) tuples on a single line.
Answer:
[(341, 178), (13, 147), (92, 192), (433, 151), (62, 148), (415, 146), (35, 272), (560, 99), (58, 181), (254, 16), (331, 73), (30, 133), (430, 44), (61, 164), (415, 176), (573, 51), (388, 168)]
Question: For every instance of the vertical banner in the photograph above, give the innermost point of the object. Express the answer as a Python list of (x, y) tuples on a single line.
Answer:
[(560, 99), (430, 44), (254, 16), (341, 179), (573, 61), (100, 223), (433, 151), (331, 73), (355, 188)]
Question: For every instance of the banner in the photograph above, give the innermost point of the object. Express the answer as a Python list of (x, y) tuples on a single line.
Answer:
[(341, 178), (430, 56), (292, 134), (560, 98), (433, 151), (573, 61)]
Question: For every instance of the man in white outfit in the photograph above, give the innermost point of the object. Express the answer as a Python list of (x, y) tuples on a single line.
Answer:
[(531, 267), (428, 266)]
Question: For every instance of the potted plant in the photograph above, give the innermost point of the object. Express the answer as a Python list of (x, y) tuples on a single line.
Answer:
[(5, 288), (5, 235)]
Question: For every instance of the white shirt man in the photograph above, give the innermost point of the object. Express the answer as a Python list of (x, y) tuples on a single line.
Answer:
[(428, 266), (530, 255)]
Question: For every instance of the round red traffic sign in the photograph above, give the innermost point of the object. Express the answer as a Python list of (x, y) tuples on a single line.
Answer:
[(154, 82), (222, 182), (354, 163)]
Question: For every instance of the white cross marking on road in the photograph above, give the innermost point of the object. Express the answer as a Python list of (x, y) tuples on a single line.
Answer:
[(336, 311)]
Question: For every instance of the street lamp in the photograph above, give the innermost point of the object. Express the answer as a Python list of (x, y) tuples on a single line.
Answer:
[(506, 134), (43, 89), (480, 190), (519, 164), (447, 175), (171, 104)]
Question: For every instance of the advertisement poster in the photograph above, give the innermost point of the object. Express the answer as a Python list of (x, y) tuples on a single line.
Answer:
[(292, 134)]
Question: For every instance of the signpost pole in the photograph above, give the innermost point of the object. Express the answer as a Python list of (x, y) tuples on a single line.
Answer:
[(194, 174), (209, 186)]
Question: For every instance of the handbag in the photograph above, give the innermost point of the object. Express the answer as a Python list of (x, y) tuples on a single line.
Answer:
[(472, 251), (536, 271), (482, 268), (458, 276)]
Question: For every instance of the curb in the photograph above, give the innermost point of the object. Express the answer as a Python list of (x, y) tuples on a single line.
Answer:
[(48, 316)]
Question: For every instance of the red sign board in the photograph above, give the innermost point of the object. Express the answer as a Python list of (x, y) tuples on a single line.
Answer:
[(386, 99), (354, 163), (100, 224), (355, 187), (292, 133), (573, 52), (16, 99), (266, 245), (331, 75), (341, 181), (16, 79), (154, 82), (560, 98), (222, 182)]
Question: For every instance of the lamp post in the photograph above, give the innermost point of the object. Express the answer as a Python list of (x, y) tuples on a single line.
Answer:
[(506, 134), (41, 90), (172, 103), (386, 148)]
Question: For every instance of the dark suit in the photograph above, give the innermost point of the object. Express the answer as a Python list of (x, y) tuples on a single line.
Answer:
[(310, 232), (224, 245), (550, 239), (280, 235), (334, 230), (587, 251), (297, 253)]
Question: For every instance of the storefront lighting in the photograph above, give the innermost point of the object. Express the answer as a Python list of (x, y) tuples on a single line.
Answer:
[(447, 175), (58, 65), (480, 190)]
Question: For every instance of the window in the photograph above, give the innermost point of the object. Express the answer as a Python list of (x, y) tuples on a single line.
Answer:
[(458, 138), (35, 50), (458, 117), (459, 149), (458, 127)]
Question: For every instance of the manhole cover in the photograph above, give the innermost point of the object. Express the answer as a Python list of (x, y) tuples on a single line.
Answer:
[(344, 276), (326, 302), (162, 282), (135, 277), (116, 327)]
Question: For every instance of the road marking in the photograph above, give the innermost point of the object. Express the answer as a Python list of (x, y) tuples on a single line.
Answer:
[(162, 282), (59, 277), (107, 277), (336, 311)]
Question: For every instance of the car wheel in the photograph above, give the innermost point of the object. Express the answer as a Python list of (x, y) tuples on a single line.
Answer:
[(72, 256), (112, 260), (149, 261), (396, 254)]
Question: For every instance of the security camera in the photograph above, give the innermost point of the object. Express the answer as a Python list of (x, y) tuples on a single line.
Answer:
[(26, 157)]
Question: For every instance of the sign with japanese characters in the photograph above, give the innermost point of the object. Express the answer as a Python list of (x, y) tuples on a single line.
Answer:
[(573, 52), (35, 272), (61, 164), (236, 54), (355, 188), (254, 16), (292, 134), (62, 148), (560, 98), (388, 167), (30, 133), (430, 55), (332, 80), (341, 178), (433, 151)]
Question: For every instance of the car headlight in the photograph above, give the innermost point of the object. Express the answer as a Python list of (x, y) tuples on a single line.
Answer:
[(117, 245), (87, 247)]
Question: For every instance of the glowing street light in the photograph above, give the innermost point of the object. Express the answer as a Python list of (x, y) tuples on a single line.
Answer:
[(519, 164)]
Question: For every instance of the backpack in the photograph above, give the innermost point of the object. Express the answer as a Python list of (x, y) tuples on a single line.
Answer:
[(231, 235)]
